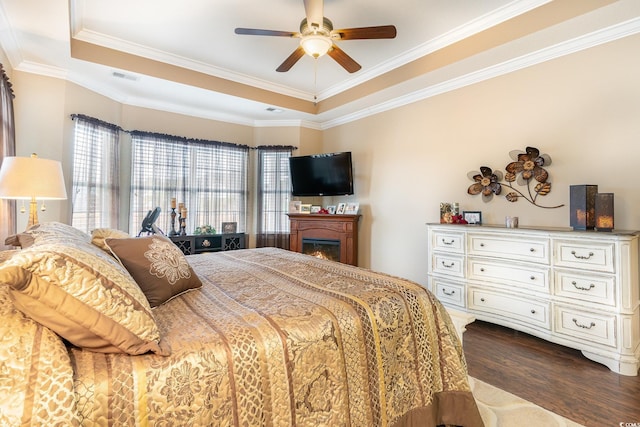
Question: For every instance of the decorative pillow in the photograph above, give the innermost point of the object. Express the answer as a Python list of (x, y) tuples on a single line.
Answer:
[(84, 295), (99, 234), (157, 265), (47, 231), (36, 383)]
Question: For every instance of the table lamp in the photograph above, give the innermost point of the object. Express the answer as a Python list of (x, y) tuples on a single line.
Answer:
[(31, 178)]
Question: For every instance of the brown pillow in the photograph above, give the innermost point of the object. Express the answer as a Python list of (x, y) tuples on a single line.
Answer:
[(157, 265), (100, 234), (84, 295)]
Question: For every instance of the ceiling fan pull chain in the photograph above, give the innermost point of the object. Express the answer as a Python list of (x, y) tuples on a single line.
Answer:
[(315, 81)]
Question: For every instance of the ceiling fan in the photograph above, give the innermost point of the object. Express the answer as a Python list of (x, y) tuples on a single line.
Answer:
[(318, 37)]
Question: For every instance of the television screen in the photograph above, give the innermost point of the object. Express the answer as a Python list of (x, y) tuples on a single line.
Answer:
[(321, 175)]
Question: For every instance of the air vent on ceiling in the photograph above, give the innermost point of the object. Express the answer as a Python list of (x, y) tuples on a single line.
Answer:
[(121, 75), (274, 110)]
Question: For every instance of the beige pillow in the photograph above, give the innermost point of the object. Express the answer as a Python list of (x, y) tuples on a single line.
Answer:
[(157, 265), (84, 295), (99, 234), (46, 231)]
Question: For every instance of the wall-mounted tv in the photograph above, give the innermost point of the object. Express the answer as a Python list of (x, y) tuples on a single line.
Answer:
[(321, 175)]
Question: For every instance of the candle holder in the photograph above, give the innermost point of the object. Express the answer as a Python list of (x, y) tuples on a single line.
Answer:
[(173, 231), (604, 211), (183, 226)]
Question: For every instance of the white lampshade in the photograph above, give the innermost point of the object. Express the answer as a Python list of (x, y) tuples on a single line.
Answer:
[(32, 178), (316, 45), (27, 177)]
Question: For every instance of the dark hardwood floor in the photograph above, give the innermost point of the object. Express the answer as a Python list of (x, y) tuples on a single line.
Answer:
[(557, 378)]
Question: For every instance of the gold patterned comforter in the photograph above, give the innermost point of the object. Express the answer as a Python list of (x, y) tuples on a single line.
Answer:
[(273, 338)]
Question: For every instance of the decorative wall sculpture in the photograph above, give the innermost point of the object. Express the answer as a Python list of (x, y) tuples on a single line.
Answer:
[(526, 170)]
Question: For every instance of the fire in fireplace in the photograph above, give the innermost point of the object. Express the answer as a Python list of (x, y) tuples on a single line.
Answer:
[(322, 248)]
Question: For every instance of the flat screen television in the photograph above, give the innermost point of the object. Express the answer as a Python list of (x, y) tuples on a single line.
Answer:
[(321, 174)]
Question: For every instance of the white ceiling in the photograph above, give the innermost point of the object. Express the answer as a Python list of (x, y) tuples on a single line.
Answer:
[(199, 35)]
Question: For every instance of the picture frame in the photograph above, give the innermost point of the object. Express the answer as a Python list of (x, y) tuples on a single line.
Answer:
[(340, 208), (315, 209), (331, 209), (352, 208), (472, 217), (305, 208), (229, 227), (294, 206)]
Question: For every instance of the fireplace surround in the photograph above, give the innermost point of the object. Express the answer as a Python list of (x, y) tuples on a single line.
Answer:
[(342, 229)]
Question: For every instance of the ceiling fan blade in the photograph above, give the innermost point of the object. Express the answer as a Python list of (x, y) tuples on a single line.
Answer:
[(379, 32), (314, 12), (291, 60), (343, 59), (257, 32)]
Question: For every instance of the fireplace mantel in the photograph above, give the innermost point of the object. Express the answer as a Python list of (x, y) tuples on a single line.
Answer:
[(324, 226)]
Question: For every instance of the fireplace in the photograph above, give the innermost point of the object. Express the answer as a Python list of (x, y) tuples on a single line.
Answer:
[(322, 248), (337, 233)]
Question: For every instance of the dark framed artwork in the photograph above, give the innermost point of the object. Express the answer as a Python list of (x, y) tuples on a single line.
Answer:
[(472, 217), (229, 227)]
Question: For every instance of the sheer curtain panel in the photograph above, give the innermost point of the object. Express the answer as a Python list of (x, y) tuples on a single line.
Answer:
[(274, 194), (96, 174), (209, 177)]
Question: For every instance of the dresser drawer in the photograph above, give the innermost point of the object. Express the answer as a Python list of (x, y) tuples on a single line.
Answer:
[(447, 292), (597, 256), (512, 274), (446, 241), (597, 328), (449, 265), (523, 248), (598, 288), (526, 310)]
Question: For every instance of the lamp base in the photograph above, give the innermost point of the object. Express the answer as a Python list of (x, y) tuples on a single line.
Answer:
[(33, 213)]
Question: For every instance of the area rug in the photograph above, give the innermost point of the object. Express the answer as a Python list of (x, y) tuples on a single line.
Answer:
[(499, 408)]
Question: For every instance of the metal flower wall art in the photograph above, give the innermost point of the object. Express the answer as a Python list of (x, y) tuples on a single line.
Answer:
[(526, 170)]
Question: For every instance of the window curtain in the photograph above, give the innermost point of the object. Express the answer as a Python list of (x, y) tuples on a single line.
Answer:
[(274, 194), (96, 174), (7, 148), (209, 177)]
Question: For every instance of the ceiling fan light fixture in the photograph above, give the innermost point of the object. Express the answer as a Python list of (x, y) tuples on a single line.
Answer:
[(316, 45)]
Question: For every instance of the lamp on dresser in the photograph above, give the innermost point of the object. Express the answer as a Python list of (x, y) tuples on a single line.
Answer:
[(32, 178)]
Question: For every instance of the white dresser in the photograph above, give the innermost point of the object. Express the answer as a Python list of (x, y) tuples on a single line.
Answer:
[(580, 289)]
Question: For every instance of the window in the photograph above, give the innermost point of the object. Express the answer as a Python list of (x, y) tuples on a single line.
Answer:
[(96, 172), (274, 193), (7, 148), (209, 177)]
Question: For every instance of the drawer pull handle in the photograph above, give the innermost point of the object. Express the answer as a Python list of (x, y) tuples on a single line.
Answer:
[(444, 291), (444, 264), (533, 311), (206, 243), (582, 256), (482, 245), (482, 270), (448, 243), (532, 277), (532, 249), (482, 299), (582, 288), (583, 326)]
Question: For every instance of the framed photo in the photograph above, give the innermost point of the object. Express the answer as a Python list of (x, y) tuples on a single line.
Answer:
[(294, 206), (305, 208), (472, 217), (229, 227), (315, 209), (340, 208), (352, 208), (331, 209)]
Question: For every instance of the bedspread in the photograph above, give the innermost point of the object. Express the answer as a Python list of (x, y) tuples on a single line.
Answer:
[(276, 338)]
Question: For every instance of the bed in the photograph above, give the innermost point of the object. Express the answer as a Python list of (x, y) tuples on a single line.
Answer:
[(110, 330)]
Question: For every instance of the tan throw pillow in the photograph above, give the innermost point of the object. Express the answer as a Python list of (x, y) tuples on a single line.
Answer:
[(84, 295), (157, 265), (44, 232), (99, 234)]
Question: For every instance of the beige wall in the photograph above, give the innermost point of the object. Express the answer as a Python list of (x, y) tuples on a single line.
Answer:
[(583, 110)]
